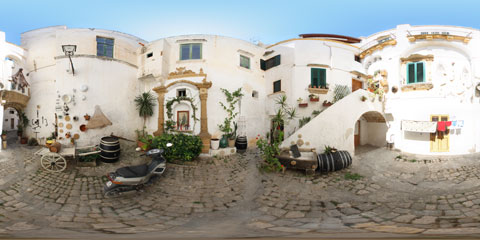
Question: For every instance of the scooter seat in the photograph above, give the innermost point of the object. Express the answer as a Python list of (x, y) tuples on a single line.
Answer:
[(133, 171)]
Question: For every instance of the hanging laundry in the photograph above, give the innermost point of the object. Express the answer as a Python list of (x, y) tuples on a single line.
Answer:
[(454, 123), (441, 126), (460, 123), (448, 123)]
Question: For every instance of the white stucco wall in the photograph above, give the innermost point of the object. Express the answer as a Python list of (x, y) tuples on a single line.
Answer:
[(452, 73), (112, 83)]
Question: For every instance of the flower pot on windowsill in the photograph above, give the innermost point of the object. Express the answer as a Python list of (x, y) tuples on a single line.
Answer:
[(314, 99), (302, 105), (327, 104)]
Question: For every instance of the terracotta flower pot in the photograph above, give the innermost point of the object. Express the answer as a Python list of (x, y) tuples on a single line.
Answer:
[(231, 142)]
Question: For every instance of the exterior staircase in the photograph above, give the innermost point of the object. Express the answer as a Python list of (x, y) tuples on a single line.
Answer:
[(335, 126)]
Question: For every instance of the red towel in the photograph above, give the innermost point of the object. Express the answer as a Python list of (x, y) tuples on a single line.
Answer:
[(441, 126), (448, 123)]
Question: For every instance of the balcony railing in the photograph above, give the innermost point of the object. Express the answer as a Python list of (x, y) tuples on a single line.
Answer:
[(430, 34), (377, 44)]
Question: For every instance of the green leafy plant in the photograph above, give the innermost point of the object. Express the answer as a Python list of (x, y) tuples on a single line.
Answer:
[(340, 92), (145, 103), (269, 152), (353, 176), (88, 158), (303, 121), (230, 107), (23, 122), (329, 149), (316, 113), (185, 147), (32, 142)]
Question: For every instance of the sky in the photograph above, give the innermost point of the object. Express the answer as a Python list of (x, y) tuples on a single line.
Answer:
[(252, 20)]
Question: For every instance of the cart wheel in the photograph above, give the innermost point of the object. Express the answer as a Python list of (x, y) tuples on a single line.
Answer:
[(53, 162)]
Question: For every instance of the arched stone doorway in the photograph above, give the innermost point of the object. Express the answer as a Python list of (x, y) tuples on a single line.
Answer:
[(370, 132)]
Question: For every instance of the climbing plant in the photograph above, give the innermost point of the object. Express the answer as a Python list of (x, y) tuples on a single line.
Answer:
[(230, 107), (170, 124)]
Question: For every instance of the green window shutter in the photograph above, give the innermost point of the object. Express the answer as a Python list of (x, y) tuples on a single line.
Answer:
[(323, 77), (262, 65), (420, 76), (313, 77), (276, 60), (410, 73), (277, 86)]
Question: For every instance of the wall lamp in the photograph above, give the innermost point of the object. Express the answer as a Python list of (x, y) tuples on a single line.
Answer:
[(69, 50)]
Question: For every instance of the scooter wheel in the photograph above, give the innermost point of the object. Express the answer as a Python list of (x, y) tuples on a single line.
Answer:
[(112, 193)]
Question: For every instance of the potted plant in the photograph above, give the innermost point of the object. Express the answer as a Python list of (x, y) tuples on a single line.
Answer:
[(230, 107), (23, 123), (145, 103), (301, 103), (4, 135), (363, 98), (327, 103), (313, 98), (145, 141), (232, 136)]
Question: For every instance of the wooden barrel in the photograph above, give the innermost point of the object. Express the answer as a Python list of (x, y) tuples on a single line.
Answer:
[(109, 149), (330, 162), (241, 144)]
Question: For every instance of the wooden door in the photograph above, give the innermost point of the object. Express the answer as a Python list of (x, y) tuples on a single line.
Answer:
[(12, 123), (356, 138), (356, 85), (439, 141)]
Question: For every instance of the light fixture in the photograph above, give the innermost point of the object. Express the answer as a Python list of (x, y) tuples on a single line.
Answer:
[(69, 50)]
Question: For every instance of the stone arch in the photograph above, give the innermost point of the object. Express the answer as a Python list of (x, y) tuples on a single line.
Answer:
[(370, 129)]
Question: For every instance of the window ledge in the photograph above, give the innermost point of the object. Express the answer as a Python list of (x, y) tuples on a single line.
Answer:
[(276, 93), (244, 69), (191, 61), (318, 90), (417, 87)]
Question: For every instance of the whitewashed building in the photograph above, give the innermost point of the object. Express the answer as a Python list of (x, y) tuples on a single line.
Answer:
[(421, 76)]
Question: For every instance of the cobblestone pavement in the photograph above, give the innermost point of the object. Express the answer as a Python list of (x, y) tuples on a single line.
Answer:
[(229, 197)]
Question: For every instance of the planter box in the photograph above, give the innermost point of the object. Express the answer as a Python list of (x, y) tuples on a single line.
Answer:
[(303, 105), (327, 104), (314, 99)]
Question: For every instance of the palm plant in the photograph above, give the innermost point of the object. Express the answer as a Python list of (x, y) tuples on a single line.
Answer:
[(145, 103)]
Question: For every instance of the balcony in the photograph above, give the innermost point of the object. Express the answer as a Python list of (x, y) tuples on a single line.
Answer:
[(377, 44), (431, 34), (14, 95)]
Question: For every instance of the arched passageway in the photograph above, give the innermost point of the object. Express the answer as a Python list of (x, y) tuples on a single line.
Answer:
[(370, 132)]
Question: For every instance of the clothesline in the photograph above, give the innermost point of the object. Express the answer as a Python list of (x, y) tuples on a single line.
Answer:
[(430, 126)]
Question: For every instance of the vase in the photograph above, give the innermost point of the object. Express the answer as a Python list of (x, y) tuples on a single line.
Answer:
[(214, 143), (223, 142)]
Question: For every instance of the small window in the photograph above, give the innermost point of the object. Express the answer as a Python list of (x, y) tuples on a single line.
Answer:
[(318, 78), (149, 55), (277, 86), (254, 94), (182, 92), (244, 62), (12, 112), (105, 47), (415, 72), (357, 58), (190, 51)]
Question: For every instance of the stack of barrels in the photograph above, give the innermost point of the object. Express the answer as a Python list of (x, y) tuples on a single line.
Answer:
[(333, 161), (109, 149)]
